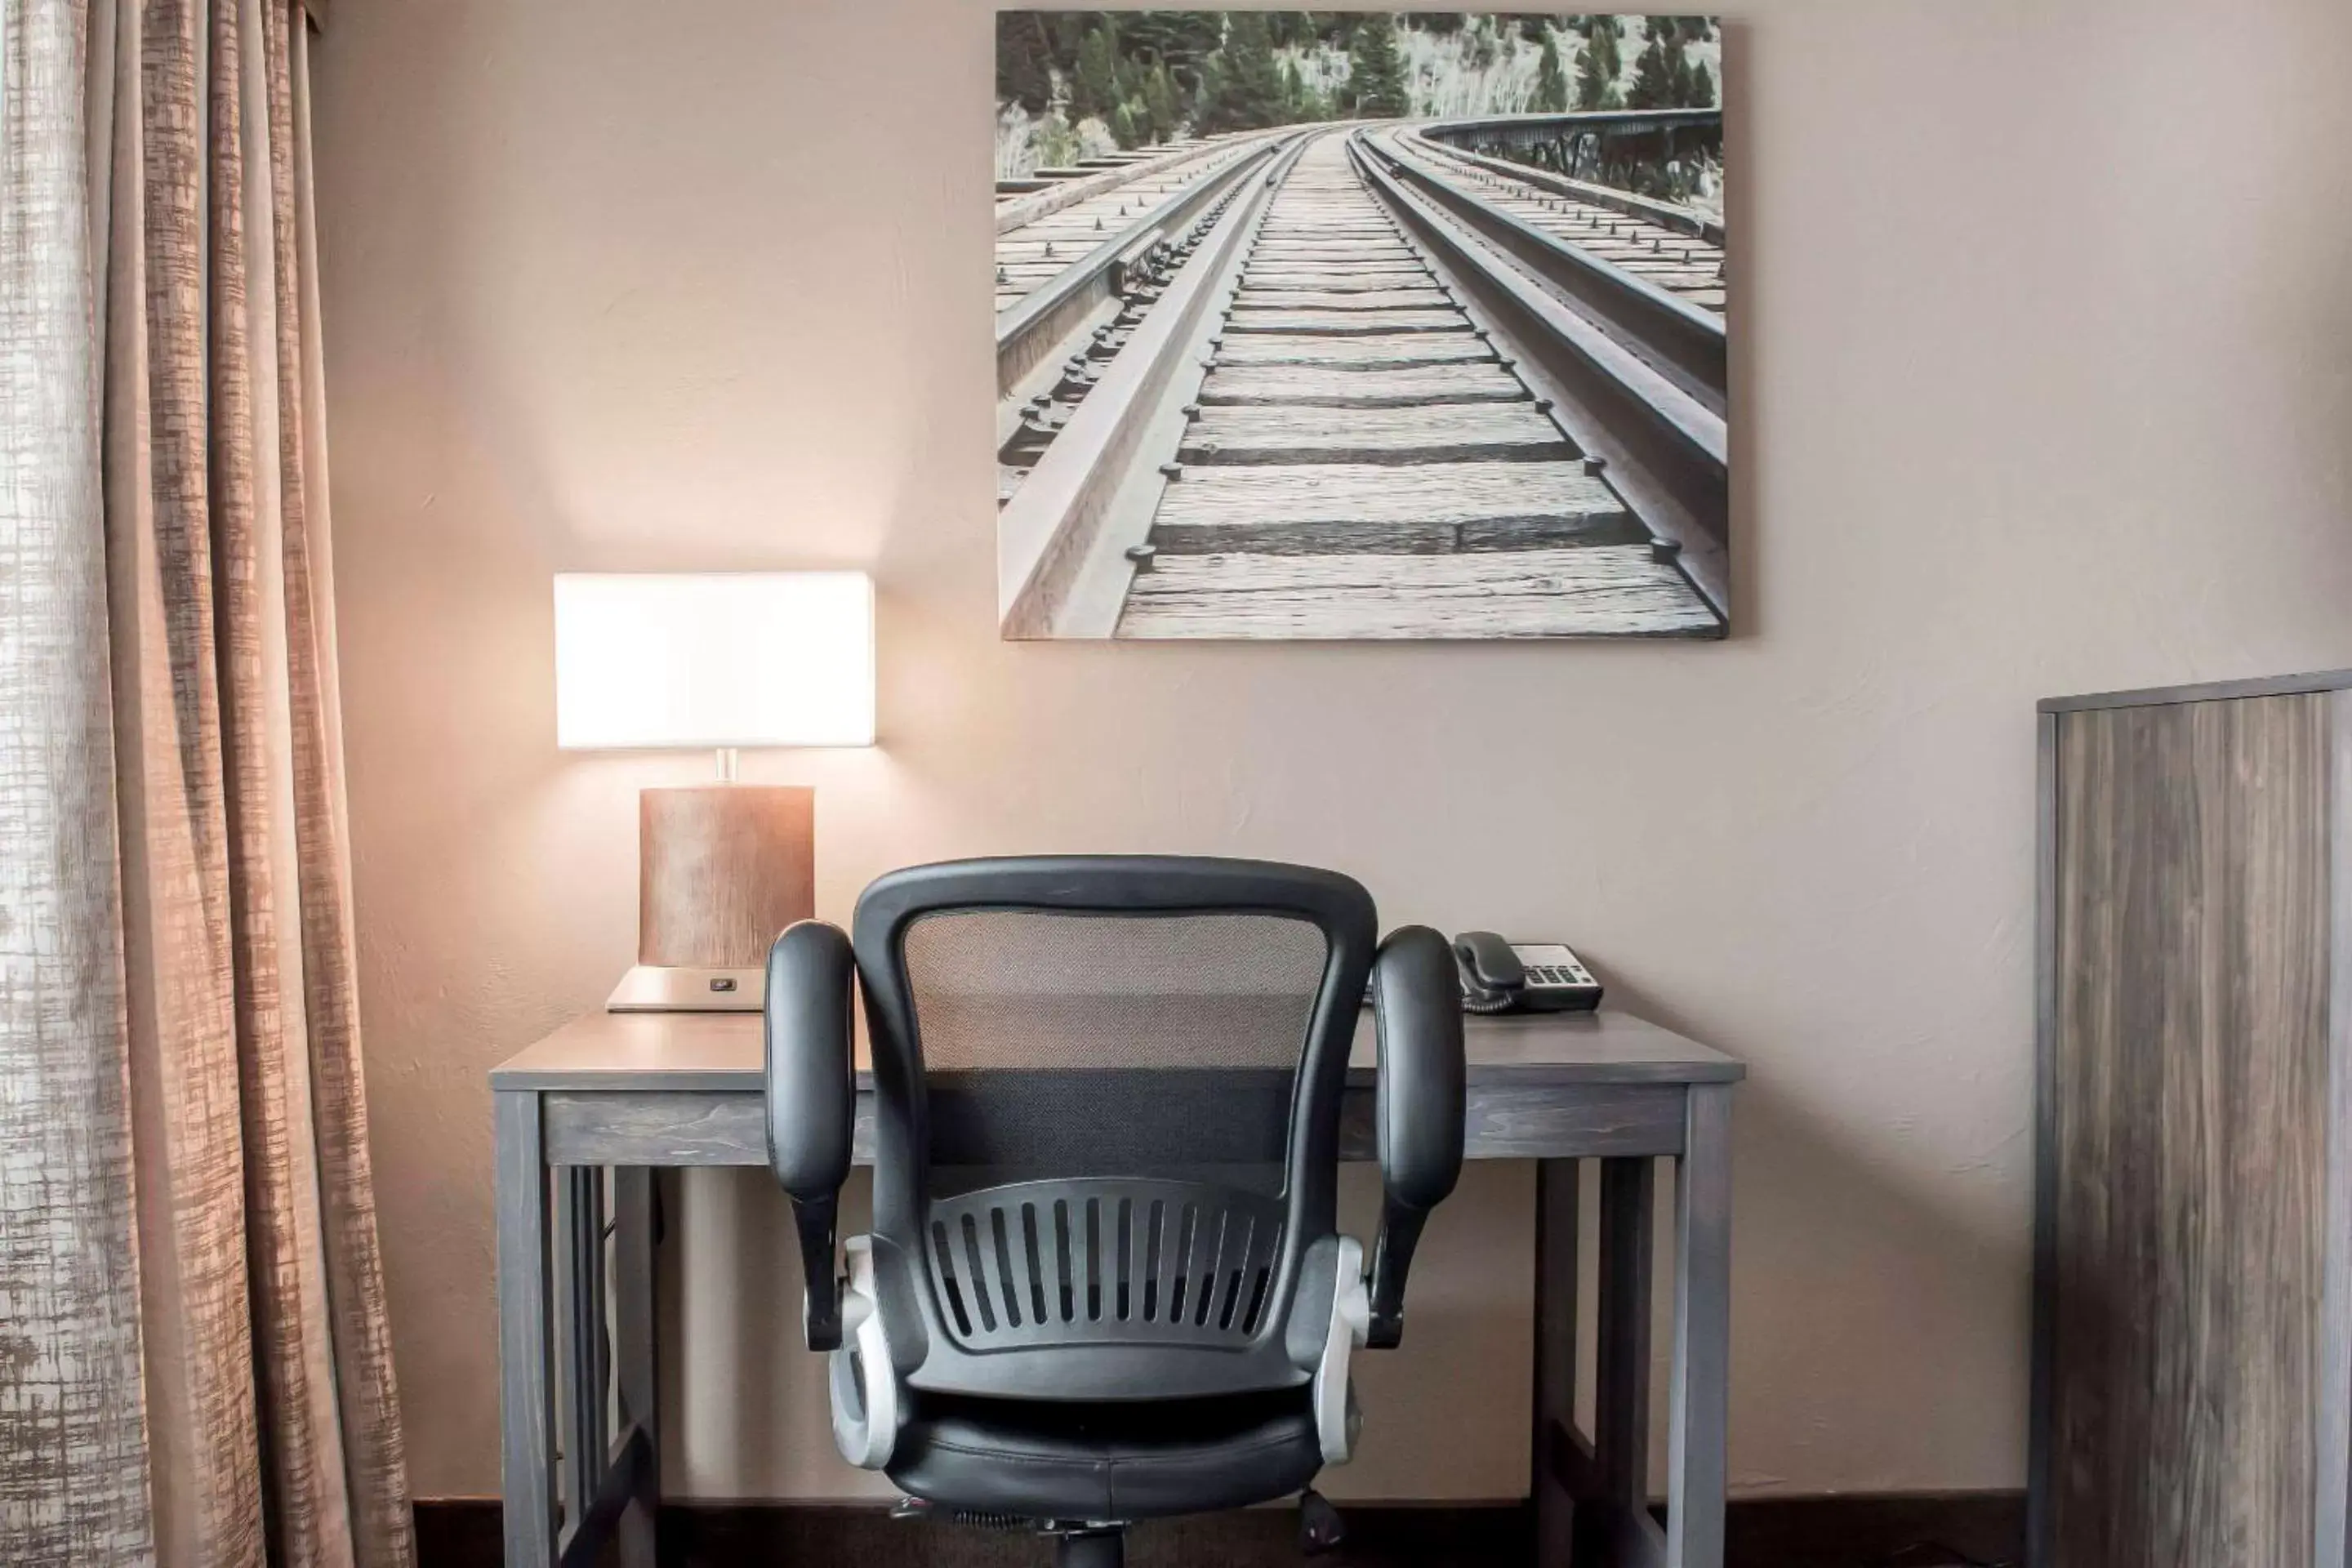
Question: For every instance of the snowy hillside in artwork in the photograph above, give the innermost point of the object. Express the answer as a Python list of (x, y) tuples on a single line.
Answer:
[(1074, 85)]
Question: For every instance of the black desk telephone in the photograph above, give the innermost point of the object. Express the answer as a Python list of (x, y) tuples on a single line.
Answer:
[(1499, 976)]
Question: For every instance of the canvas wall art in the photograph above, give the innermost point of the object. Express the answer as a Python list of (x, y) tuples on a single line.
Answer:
[(1326, 325)]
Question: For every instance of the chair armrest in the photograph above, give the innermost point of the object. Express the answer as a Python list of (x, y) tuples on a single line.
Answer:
[(812, 1099), (1418, 1107)]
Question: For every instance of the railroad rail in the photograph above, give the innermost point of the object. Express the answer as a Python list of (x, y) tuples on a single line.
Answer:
[(1593, 144), (1063, 256), (1679, 247), (1383, 392), (1012, 186), (1667, 216), (1048, 191), (1657, 290)]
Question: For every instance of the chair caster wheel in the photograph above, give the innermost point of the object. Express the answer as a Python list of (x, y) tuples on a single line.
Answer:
[(1320, 1529)]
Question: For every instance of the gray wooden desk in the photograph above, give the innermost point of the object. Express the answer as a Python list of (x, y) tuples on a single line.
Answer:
[(587, 1114)]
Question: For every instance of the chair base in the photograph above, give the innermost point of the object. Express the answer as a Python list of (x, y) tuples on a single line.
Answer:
[(1092, 1549), (1320, 1528)]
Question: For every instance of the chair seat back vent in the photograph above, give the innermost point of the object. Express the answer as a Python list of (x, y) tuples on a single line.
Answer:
[(1105, 1261)]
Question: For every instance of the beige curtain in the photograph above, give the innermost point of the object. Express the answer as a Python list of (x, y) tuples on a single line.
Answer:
[(169, 536), (73, 1472)]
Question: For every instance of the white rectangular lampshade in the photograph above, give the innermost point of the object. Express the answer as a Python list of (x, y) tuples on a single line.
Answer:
[(692, 659)]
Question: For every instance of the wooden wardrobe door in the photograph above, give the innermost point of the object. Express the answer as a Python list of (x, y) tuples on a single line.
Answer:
[(2186, 1156)]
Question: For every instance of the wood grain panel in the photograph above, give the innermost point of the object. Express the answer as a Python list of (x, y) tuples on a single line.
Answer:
[(729, 1127), (1385, 388), (2189, 1079), (1445, 433), (1608, 590), (721, 869), (1342, 508), (669, 1052), (1386, 350)]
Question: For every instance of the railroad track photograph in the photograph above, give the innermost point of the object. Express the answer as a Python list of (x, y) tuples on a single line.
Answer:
[(1332, 325)]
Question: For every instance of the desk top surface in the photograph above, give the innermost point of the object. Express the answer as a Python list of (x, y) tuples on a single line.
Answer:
[(688, 1052)]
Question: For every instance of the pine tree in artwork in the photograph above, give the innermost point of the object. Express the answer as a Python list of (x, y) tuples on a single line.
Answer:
[(1597, 65), (1663, 77), (1251, 97), (1094, 88), (1376, 70), (1024, 57), (1160, 102), (1648, 89), (1551, 82), (1068, 29), (1209, 93), (1654, 85)]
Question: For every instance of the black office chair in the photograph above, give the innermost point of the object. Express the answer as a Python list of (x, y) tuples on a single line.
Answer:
[(1106, 1281)]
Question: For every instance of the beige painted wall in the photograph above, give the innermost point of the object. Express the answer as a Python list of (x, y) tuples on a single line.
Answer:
[(2045, 383)]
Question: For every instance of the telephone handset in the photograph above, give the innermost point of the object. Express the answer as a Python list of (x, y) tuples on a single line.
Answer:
[(1499, 976)]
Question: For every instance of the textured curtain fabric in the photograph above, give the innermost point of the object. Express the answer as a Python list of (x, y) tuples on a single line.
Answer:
[(218, 981), (73, 1470)]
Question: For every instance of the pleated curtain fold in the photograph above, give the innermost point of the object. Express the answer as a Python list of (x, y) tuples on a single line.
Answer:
[(204, 1375)]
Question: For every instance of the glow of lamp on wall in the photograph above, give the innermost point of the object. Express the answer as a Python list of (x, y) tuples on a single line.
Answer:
[(723, 661)]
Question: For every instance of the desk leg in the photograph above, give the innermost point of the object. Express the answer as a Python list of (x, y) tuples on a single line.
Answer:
[(1554, 1451), (632, 1332), (1700, 1401), (585, 1390), (526, 1406), (1622, 1529)]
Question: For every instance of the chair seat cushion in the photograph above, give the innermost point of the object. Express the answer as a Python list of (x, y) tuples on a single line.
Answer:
[(1134, 1460)]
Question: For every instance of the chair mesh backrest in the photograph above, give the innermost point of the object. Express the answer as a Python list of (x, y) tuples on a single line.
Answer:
[(1148, 1046), (1144, 1044), (1047, 988)]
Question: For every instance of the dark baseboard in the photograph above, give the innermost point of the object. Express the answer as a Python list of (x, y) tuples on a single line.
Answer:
[(457, 1532), (1878, 1530)]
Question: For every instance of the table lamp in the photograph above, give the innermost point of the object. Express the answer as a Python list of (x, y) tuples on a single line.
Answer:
[(721, 660)]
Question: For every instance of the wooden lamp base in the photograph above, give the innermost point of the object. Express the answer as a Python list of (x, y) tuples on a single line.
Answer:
[(721, 868)]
